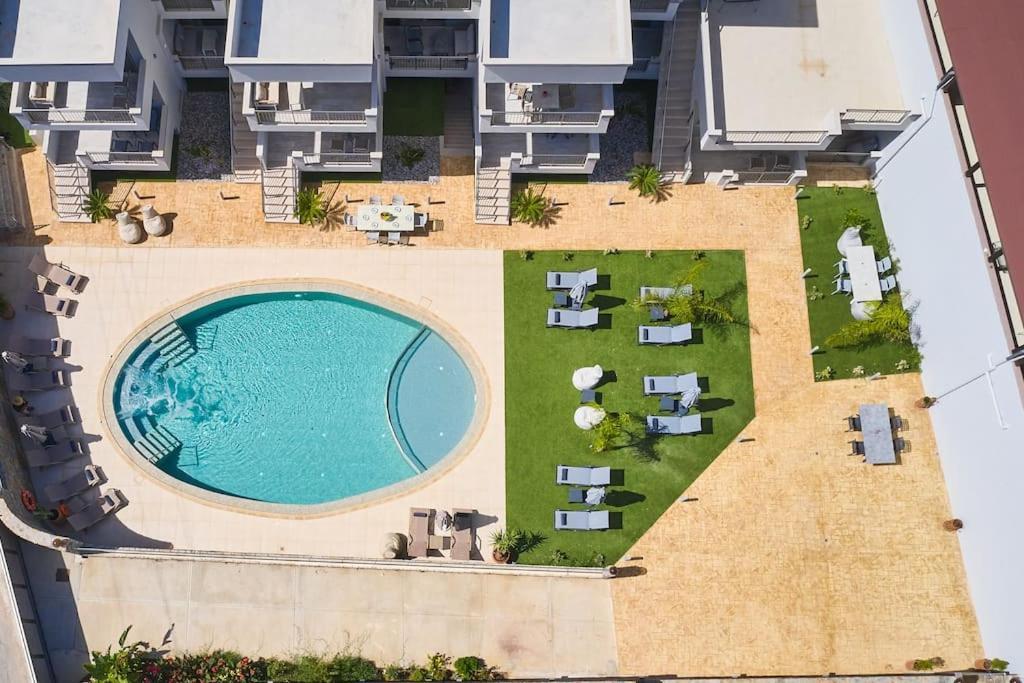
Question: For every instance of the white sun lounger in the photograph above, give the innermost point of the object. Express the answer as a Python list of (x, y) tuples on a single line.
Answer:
[(54, 305), (111, 501), (662, 293), (670, 384), (39, 381), (54, 455), (583, 476), (673, 424), (677, 334), (561, 317), (83, 480), (581, 520), (41, 347), (55, 273), (568, 280), (54, 418)]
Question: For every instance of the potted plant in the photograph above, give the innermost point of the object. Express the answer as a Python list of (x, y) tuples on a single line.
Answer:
[(953, 525), (926, 402), (505, 545), (6, 309), (96, 206), (991, 664), (310, 207), (646, 180), (528, 206)]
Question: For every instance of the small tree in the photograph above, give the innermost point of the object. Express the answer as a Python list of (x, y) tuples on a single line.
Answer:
[(890, 322), (118, 666), (528, 206), (647, 181), (310, 206), (96, 206), (618, 430), (998, 664)]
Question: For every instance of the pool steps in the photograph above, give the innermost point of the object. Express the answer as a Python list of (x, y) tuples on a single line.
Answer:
[(174, 346), (152, 441), (404, 447)]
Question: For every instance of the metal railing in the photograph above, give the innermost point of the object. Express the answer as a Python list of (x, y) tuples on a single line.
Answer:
[(187, 5), (838, 157), (433, 63), (338, 158), (765, 177), (308, 116), (200, 62), (135, 158), (777, 137), (884, 116), (56, 115), (562, 160), (649, 5), (430, 4), (546, 118)]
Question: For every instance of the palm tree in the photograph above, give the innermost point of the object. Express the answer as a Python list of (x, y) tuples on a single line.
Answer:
[(528, 206), (96, 206), (310, 206), (622, 429), (890, 322), (647, 180), (696, 307)]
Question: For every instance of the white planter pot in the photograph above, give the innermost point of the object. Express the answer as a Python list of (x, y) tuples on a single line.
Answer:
[(129, 230)]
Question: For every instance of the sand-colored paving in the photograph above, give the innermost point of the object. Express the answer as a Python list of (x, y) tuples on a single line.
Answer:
[(790, 556)]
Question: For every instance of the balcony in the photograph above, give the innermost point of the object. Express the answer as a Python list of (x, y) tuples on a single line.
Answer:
[(435, 5), (576, 108), (647, 40), (776, 137), (884, 119), (541, 152), (430, 46), (80, 103), (311, 106), (188, 5), (343, 152), (199, 45)]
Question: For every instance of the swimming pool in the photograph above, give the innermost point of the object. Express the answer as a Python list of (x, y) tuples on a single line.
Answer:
[(292, 397)]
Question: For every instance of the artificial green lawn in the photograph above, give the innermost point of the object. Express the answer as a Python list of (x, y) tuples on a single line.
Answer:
[(540, 399), (828, 208), (16, 136), (414, 106)]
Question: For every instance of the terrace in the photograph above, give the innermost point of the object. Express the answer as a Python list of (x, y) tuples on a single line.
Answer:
[(198, 44), (524, 106), (311, 105), (445, 46)]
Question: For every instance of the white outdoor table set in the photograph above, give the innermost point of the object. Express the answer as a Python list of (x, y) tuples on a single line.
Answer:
[(863, 269), (386, 218)]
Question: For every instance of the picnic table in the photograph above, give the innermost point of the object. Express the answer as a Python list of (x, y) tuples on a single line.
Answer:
[(876, 428), (860, 261), (369, 218)]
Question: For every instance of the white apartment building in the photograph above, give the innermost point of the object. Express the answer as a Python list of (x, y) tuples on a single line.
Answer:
[(98, 83)]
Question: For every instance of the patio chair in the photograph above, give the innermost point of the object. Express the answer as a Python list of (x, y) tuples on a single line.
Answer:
[(856, 447), (842, 267), (39, 381), (575, 320), (897, 424), (420, 521), (414, 40), (394, 237), (397, 200), (54, 305), (405, 240), (884, 265), (853, 423), (375, 199), (581, 520), (583, 476), (47, 272), (887, 283), (899, 444), (463, 534), (662, 293), (843, 286), (83, 480), (373, 237), (670, 384), (420, 220), (568, 280), (349, 221), (677, 334), (26, 364), (42, 347), (51, 435), (55, 418), (54, 455), (673, 425), (108, 503)]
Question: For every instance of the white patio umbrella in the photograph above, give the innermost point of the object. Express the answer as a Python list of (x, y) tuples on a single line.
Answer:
[(688, 398), (578, 293), (588, 417), (35, 433), (861, 310), (15, 360), (849, 238), (443, 521), (587, 378), (595, 495)]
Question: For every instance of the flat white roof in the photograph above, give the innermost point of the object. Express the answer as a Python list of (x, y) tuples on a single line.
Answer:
[(561, 31), (786, 64), (305, 31), (59, 31)]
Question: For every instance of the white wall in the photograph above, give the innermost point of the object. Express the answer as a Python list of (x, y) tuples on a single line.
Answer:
[(928, 212)]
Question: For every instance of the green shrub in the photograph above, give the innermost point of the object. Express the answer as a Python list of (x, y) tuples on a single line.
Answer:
[(310, 206), (999, 664), (437, 667), (123, 665), (301, 669), (352, 668), (418, 673), (393, 672), (528, 206), (409, 155), (97, 208), (647, 181), (472, 669)]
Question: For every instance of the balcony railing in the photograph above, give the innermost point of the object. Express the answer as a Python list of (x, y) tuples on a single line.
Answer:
[(777, 137), (649, 5), (546, 118), (560, 160), (200, 63), (308, 117), (430, 4), (134, 158), (187, 5), (437, 63), (877, 116), (765, 177), (57, 115), (338, 158)]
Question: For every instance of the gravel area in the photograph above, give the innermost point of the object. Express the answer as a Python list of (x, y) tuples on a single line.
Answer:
[(426, 170), (627, 133), (204, 142)]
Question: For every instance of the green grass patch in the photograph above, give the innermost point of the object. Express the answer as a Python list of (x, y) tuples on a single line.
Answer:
[(342, 178), (534, 179), (10, 129), (414, 106), (827, 208), (540, 399)]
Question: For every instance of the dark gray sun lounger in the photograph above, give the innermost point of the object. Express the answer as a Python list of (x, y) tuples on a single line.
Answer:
[(568, 280), (581, 520), (583, 476), (41, 347), (83, 480), (39, 381), (110, 502), (463, 534), (54, 305), (560, 317), (420, 520), (55, 418), (673, 424), (55, 273), (54, 455), (670, 384), (677, 334)]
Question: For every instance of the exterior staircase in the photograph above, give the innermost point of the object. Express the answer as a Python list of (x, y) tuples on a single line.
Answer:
[(674, 109), (458, 118), (280, 186), (244, 163), (70, 186), (493, 192), (173, 346)]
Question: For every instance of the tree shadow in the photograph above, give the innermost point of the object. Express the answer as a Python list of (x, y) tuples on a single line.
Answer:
[(631, 572), (619, 499), (334, 218)]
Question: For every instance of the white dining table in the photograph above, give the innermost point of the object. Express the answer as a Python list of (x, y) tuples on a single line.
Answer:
[(369, 218), (876, 427), (860, 262)]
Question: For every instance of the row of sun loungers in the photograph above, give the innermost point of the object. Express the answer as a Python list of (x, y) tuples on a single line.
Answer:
[(79, 482), (56, 454), (55, 347), (39, 381), (95, 510)]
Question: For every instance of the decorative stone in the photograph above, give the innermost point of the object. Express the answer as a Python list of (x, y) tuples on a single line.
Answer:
[(394, 546), (153, 222), (588, 417), (587, 378), (129, 230)]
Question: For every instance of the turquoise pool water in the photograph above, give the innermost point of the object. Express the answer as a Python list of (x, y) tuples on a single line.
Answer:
[(296, 398)]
